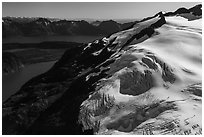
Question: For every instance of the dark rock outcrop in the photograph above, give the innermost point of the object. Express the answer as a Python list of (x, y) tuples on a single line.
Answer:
[(66, 79), (196, 10), (50, 103)]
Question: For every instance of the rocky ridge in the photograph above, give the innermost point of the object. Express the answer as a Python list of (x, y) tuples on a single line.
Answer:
[(115, 85)]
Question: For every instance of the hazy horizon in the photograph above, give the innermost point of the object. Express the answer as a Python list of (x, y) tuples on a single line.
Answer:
[(90, 10)]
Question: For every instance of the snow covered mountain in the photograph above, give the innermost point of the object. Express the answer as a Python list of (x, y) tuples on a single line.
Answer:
[(145, 79), (45, 27)]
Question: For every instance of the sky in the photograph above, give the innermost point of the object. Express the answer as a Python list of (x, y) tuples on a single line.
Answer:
[(92, 10)]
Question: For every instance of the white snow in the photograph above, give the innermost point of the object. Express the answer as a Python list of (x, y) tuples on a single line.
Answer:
[(179, 46), (183, 22)]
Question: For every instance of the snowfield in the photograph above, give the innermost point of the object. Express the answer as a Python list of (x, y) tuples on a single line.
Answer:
[(155, 86), (143, 80)]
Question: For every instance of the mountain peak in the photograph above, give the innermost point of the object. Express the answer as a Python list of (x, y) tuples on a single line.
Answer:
[(145, 79), (196, 10)]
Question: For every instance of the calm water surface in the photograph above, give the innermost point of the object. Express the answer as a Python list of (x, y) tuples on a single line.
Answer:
[(13, 81), (80, 39)]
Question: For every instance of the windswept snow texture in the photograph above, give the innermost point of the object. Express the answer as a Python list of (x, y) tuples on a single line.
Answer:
[(154, 86), (146, 79)]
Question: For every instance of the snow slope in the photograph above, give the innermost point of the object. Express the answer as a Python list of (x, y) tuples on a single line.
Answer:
[(155, 86), (143, 80)]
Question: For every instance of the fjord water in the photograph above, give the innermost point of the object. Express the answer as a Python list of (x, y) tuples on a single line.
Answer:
[(12, 82), (21, 39)]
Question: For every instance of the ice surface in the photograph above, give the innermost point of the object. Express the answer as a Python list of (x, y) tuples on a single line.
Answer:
[(148, 89)]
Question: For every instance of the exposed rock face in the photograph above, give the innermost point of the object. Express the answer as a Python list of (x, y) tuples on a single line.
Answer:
[(10, 63), (196, 11), (136, 81)]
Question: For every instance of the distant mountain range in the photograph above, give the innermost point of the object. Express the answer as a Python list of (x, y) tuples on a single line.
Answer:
[(38, 26), (145, 80), (16, 26)]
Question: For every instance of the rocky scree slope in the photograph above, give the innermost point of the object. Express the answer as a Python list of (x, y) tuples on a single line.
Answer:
[(142, 80)]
